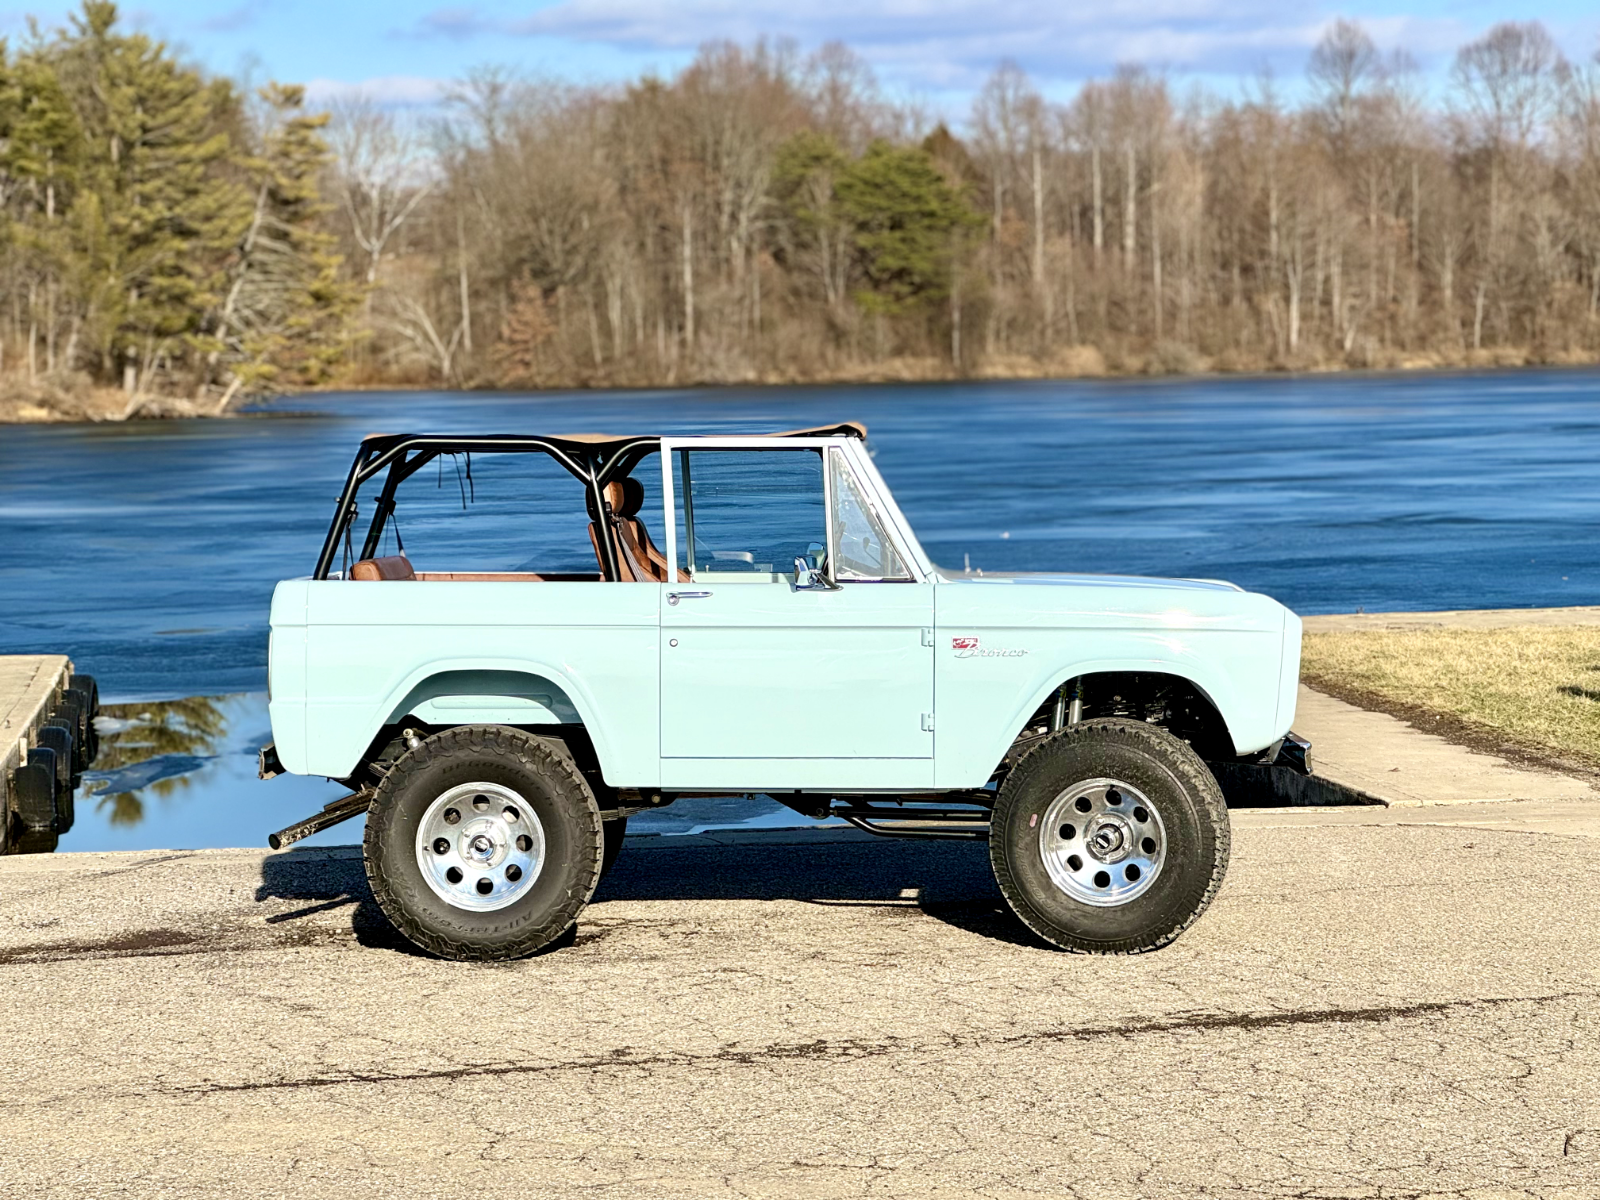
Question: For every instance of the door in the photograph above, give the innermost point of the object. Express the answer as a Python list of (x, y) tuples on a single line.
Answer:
[(756, 666)]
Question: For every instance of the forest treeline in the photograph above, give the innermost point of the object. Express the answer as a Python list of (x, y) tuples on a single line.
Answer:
[(765, 215), (159, 230)]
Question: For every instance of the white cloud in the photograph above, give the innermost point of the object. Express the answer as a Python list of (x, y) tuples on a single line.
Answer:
[(950, 43), (397, 91)]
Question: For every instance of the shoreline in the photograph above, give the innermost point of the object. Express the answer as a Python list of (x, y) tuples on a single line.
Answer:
[(112, 406)]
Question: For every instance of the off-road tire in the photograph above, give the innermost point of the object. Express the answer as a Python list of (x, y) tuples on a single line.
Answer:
[(1177, 783), (544, 775)]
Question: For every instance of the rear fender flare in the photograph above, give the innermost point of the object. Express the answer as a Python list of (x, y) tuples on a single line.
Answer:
[(494, 692)]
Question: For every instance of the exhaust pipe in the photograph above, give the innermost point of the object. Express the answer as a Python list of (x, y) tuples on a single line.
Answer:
[(339, 810)]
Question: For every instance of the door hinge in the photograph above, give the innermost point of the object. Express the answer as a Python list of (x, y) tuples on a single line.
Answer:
[(927, 722), (927, 637)]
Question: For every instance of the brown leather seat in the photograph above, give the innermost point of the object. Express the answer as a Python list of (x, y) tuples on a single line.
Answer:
[(637, 557), (396, 566)]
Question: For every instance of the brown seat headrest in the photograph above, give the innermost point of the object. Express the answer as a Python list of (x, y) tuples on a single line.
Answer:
[(625, 496)]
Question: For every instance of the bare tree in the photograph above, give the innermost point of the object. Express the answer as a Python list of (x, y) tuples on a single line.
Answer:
[(381, 173)]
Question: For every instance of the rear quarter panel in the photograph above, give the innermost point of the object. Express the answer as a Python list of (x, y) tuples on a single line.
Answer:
[(368, 646), (1001, 648)]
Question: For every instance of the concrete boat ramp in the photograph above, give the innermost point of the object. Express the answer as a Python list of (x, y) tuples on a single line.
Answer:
[(1389, 1002), (1392, 1000)]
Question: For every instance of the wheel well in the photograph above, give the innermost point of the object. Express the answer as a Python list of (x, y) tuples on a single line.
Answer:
[(1169, 701), (392, 741)]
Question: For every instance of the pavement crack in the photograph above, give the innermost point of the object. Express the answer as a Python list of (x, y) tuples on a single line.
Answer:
[(820, 1048), (1323, 1016), (839, 1050)]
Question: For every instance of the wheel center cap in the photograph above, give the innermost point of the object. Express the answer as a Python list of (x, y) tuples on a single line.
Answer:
[(482, 843), (1108, 840)]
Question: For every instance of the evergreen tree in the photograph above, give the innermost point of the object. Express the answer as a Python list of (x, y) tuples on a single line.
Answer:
[(41, 159), (283, 316), (815, 234), (905, 216), (156, 210), (149, 227)]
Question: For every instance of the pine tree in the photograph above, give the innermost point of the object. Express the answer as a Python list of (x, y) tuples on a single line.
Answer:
[(156, 210), (904, 214), (41, 158), (282, 319)]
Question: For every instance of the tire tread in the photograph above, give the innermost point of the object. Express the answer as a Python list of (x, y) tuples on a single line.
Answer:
[(536, 755), (1191, 771)]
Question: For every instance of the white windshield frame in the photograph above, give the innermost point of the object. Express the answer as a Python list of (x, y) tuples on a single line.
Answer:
[(856, 461)]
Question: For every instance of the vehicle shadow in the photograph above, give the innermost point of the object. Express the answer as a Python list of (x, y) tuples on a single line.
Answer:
[(324, 882), (948, 881)]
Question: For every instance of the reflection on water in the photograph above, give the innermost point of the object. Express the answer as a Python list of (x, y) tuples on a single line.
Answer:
[(151, 749), (181, 774)]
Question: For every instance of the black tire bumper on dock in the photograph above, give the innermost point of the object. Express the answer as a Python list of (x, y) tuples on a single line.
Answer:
[(42, 790)]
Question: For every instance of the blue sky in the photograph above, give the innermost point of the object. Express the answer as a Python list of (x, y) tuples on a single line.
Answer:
[(402, 51)]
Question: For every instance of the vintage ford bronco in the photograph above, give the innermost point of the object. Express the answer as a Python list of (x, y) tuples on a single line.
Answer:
[(767, 623)]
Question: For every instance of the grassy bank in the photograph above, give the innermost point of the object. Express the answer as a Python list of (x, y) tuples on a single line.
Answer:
[(1531, 693)]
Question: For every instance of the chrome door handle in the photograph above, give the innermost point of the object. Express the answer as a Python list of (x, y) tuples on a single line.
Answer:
[(674, 597)]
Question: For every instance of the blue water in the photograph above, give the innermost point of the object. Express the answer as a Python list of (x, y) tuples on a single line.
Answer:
[(148, 551)]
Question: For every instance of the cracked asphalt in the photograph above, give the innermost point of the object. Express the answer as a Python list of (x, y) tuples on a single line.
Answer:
[(1373, 1007)]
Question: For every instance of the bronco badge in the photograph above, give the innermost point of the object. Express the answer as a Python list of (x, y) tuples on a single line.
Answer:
[(967, 647)]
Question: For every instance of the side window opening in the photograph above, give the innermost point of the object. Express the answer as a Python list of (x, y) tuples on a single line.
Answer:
[(521, 514), (746, 515)]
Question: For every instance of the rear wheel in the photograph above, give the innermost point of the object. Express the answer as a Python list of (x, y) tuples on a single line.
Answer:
[(483, 843), (1110, 838)]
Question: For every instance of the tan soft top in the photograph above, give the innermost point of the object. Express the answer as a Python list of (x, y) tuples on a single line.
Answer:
[(853, 429)]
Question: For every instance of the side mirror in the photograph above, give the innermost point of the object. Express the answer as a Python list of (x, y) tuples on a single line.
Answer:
[(808, 578)]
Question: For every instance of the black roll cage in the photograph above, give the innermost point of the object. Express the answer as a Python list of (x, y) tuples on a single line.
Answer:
[(593, 459)]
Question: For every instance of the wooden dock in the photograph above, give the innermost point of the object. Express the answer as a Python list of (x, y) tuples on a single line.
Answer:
[(30, 687)]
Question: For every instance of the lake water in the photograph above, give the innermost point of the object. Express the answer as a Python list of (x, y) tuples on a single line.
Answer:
[(148, 551)]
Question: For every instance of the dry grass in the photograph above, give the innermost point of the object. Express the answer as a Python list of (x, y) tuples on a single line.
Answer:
[(1535, 687), (73, 396)]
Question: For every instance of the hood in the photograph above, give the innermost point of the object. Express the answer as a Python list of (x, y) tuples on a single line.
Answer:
[(1122, 582)]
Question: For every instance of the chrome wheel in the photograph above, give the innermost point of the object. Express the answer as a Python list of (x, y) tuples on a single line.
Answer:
[(1102, 842), (480, 846)]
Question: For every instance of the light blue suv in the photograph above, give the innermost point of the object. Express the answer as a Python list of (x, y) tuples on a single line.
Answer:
[(754, 616)]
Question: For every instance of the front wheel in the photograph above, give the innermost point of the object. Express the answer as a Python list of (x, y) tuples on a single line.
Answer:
[(483, 843), (1111, 838)]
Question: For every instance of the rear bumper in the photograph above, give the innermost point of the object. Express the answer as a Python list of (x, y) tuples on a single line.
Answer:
[(267, 764)]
